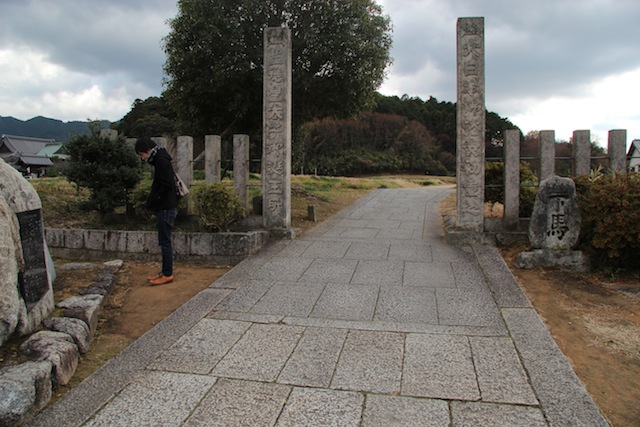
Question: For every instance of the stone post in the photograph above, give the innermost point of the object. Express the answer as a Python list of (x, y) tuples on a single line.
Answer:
[(276, 151), (183, 163), (161, 142), (470, 123), (511, 178), (241, 167), (212, 159), (581, 152), (617, 150), (547, 154)]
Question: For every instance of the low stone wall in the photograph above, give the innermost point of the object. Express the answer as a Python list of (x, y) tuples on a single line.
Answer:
[(215, 249)]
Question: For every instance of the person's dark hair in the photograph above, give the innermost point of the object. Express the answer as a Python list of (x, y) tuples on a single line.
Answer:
[(144, 144)]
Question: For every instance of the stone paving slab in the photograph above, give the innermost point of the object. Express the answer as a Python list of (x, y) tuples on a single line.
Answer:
[(260, 354), (202, 347), (318, 407), (153, 396), (439, 366), (437, 274), (314, 359), (398, 411), (346, 302), (289, 299), (467, 307), (406, 304), (501, 377), (370, 361), (240, 403), (473, 414), (378, 273), (330, 271)]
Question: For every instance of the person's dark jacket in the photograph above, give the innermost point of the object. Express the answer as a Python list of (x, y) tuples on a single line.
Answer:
[(163, 188)]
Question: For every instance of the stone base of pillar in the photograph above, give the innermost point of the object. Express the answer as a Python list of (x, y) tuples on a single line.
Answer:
[(563, 259)]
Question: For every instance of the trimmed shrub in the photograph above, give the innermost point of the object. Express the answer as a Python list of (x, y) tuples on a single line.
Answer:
[(217, 207), (138, 200), (610, 210)]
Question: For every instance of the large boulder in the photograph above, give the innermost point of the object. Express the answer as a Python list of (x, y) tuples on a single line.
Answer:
[(35, 277)]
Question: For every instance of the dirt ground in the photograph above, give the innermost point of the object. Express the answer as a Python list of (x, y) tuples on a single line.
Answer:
[(595, 320)]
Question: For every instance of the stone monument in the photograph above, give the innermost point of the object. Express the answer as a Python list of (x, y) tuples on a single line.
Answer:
[(21, 205), (554, 228), (276, 151), (470, 124)]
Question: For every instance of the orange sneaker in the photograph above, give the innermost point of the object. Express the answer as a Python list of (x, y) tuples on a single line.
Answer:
[(162, 280), (157, 276)]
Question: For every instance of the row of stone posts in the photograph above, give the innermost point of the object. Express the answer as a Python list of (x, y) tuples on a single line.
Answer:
[(581, 144)]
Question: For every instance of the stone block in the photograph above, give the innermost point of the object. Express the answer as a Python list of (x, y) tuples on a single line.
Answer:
[(150, 243), (94, 239), (397, 411), (75, 328), (112, 266), (57, 348), (181, 243), (54, 237), (555, 221), (489, 414), (201, 244), (135, 241), (74, 239), (562, 259), (24, 390), (346, 302), (85, 308), (115, 241)]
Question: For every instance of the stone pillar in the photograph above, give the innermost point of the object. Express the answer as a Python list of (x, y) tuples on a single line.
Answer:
[(470, 124), (581, 152), (511, 178), (241, 167), (276, 151), (160, 141), (547, 154), (183, 163), (617, 149), (212, 158)]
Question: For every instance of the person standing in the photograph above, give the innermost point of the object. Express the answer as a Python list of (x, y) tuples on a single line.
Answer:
[(162, 200)]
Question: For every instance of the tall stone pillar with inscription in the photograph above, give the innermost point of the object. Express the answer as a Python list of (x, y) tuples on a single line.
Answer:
[(470, 124), (276, 151)]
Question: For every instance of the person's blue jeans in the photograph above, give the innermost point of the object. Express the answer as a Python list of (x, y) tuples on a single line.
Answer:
[(164, 222)]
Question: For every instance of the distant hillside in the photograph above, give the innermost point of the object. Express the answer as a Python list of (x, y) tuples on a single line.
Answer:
[(42, 127)]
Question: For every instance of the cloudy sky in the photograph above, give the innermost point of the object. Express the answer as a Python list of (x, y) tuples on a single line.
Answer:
[(550, 64)]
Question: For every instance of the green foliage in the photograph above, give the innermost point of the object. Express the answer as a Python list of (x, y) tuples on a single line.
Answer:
[(109, 168), (494, 186), (138, 200), (217, 207), (610, 210), (151, 117), (214, 49)]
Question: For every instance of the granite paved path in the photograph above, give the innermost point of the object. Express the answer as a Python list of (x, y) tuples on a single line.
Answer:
[(369, 319)]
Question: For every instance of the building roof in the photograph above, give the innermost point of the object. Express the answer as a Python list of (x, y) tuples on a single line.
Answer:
[(634, 148), (29, 150)]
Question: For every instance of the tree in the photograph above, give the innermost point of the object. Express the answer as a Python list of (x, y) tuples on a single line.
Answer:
[(108, 167), (151, 117), (340, 49)]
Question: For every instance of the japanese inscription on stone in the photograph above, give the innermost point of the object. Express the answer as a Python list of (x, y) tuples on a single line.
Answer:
[(277, 129), (555, 221), (470, 123)]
